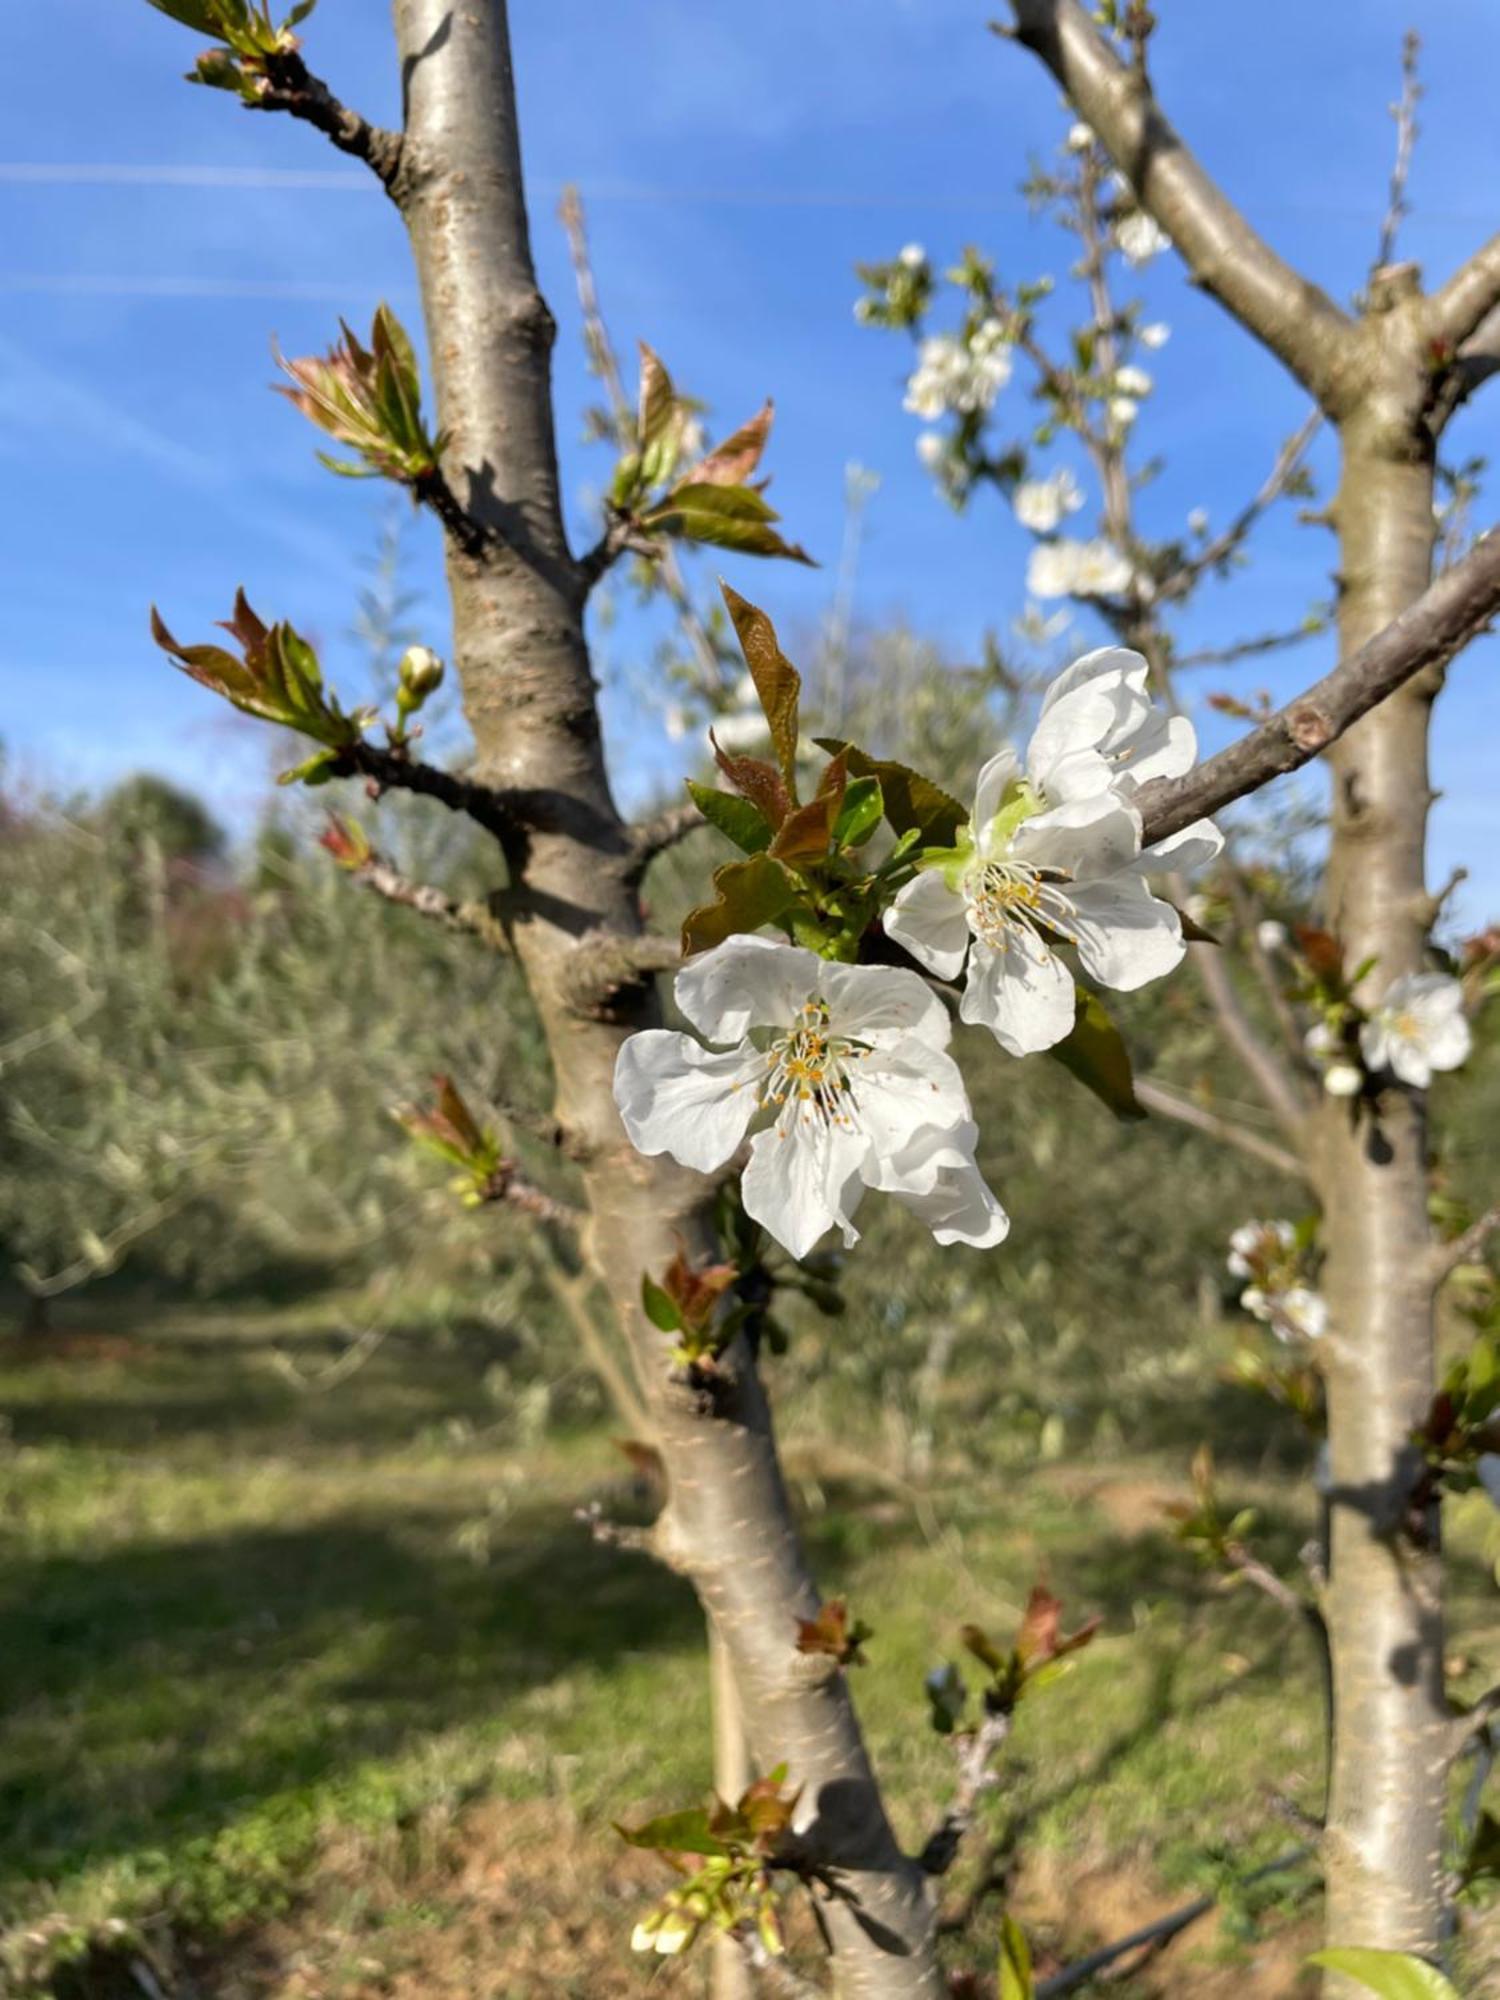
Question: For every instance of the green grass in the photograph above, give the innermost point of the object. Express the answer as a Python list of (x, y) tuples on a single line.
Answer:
[(246, 1622)]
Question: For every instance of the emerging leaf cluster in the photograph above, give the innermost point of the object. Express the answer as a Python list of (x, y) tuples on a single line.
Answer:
[(369, 399), (715, 499), (726, 1854), (1204, 1526), (449, 1131), (250, 39), (1040, 1653), (277, 679), (833, 1635), (1463, 1423), (688, 1300)]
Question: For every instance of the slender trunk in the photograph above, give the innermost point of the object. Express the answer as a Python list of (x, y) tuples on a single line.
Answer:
[(529, 698), (1388, 1779), (730, 1977)]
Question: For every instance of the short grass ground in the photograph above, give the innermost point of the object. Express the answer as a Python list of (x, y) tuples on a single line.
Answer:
[(323, 1690)]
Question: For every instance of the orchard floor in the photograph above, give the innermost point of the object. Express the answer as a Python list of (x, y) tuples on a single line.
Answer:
[(313, 1685)]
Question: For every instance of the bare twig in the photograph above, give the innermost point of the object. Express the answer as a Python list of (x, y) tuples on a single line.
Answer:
[(1460, 604), (291, 87), (474, 917), (1274, 1080), (627, 1535), (976, 1751), (1187, 1111), (1465, 1248), (1288, 461), (1247, 649), (1404, 111), (653, 836), (389, 770)]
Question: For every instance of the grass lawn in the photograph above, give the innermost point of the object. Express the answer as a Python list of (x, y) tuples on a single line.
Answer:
[(317, 1690)]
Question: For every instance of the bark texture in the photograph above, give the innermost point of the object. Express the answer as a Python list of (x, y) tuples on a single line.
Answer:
[(529, 696)]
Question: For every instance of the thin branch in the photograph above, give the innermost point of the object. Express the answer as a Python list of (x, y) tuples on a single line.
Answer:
[(1186, 1111), (1247, 649), (1223, 546), (1460, 307), (474, 918), (1464, 1728), (293, 88), (1452, 611), (390, 770), (1247, 912), (653, 836), (1153, 1936), (977, 1752), (1464, 1249), (773, 1972), (1404, 111), (1297, 321), (1275, 1081)]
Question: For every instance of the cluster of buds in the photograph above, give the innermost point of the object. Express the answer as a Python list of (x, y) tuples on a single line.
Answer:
[(277, 679), (1459, 1438), (449, 1131), (250, 42), (833, 1635), (370, 400), (1204, 1526), (1040, 1653), (1275, 1259), (662, 489), (726, 1855)]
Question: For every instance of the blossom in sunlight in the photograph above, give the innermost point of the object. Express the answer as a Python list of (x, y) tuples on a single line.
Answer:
[(962, 375), (1271, 936), (931, 445), (1268, 1254), (1040, 504), (1197, 521), (840, 1073), (913, 256), (1123, 410), (1132, 381), (1343, 1079), (1418, 1027), (1140, 237), (1052, 857), (1065, 568), (1080, 138), (1156, 334)]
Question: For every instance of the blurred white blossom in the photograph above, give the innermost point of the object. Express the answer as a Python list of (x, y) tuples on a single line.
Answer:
[(1418, 1027), (1157, 334), (1077, 569), (1040, 504), (958, 375), (1140, 237), (913, 256)]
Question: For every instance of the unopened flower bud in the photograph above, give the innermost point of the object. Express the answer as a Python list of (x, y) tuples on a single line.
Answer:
[(1343, 1079), (421, 672)]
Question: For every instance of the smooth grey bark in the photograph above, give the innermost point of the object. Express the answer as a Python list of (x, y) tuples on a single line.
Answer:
[(528, 694), (1388, 380)]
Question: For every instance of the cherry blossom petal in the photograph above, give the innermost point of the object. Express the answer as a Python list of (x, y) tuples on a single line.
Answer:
[(1125, 936), (1024, 995), (1086, 837), (746, 982), (883, 1005), (906, 1091), (679, 1098), (990, 788), (932, 921), (803, 1178)]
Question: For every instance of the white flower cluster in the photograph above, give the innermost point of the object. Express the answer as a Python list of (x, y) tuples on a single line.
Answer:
[(1065, 568), (1266, 1253), (1040, 504), (1139, 237), (959, 375), (1417, 1028), (839, 1075)]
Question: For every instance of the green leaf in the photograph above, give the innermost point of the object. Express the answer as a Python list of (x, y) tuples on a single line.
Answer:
[(732, 462), (196, 14), (777, 681), (1015, 1962), (1096, 1054), (748, 894), (683, 1832), (658, 399), (724, 517), (913, 804), (315, 771), (862, 811), (737, 819), (659, 1307), (1394, 1975)]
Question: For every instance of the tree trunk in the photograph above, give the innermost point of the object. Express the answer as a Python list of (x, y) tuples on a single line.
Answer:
[(1383, 1851), (529, 697), (730, 1977)]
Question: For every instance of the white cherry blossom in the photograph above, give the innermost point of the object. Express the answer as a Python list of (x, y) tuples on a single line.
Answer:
[(1124, 410), (1080, 138), (1064, 568), (960, 375), (1052, 856), (1040, 504), (912, 255), (1343, 1079), (842, 1074), (1419, 1027), (1132, 381), (1140, 237), (931, 446), (1156, 334)]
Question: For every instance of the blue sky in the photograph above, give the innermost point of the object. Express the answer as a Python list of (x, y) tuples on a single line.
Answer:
[(736, 163)]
